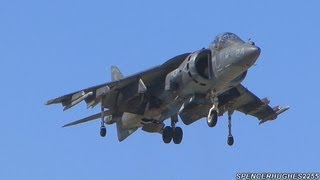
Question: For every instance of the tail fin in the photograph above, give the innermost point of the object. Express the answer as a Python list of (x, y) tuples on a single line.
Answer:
[(123, 133), (115, 73)]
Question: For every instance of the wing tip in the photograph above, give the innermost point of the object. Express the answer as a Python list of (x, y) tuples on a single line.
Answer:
[(282, 110), (49, 102), (71, 124), (279, 110)]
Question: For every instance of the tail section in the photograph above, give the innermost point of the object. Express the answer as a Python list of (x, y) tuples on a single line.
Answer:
[(122, 132), (115, 73)]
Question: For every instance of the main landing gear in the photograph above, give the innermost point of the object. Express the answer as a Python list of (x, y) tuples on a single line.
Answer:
[(172, 132)]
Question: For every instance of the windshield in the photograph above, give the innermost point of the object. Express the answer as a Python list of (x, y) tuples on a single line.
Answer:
[(225, 39)]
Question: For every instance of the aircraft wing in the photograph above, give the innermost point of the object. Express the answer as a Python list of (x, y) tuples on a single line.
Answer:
[(238, 98), (249, 103), (92, 95)]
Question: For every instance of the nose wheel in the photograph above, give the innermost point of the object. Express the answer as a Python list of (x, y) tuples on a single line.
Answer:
[(213, 112), (230, 140), (212, 118), (172, 133)]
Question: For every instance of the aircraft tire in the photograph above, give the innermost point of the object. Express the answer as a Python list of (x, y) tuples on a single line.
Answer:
[(103, 131), (177, 135), (230, 140), (167, 134), (212, 120)]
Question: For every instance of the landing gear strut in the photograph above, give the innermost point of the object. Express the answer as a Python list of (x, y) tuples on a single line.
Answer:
[(172, 132), (230, 140), (103, 129), (213, 112)]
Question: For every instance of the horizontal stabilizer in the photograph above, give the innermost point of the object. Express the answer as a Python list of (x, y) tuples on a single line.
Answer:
[(90, 118), (77, 98)]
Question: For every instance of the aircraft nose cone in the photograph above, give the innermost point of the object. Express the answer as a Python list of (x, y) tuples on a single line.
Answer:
[(253, 51), (251, 54)]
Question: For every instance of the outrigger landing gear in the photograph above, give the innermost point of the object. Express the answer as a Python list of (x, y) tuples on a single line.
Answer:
[(103, 129), (213, 112), (230, 140), (172, 132)]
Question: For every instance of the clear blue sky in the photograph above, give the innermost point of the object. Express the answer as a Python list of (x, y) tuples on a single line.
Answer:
[(49, 48)]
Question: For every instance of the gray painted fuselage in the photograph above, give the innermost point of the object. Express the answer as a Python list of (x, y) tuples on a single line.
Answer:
[(214, 70), (205, 83)]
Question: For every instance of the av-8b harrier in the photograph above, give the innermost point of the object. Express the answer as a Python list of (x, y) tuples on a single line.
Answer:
[(205, 83)]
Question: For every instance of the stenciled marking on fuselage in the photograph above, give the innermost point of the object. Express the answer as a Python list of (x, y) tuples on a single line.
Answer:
[(226, 55), (239, 52)]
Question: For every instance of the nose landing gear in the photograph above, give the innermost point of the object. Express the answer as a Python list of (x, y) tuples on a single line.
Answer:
[(213, 112), (212, 118)]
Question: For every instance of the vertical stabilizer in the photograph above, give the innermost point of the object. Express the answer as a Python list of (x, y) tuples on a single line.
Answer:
[(115, 73)]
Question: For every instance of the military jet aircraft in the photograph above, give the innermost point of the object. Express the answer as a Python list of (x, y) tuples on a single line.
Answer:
[(205, 83)]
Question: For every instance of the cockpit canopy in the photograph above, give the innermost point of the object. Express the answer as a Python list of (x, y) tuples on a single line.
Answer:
[(225, 39)]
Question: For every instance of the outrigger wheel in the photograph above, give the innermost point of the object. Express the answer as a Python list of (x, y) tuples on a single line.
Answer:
[(103, 129), (230, 140)]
